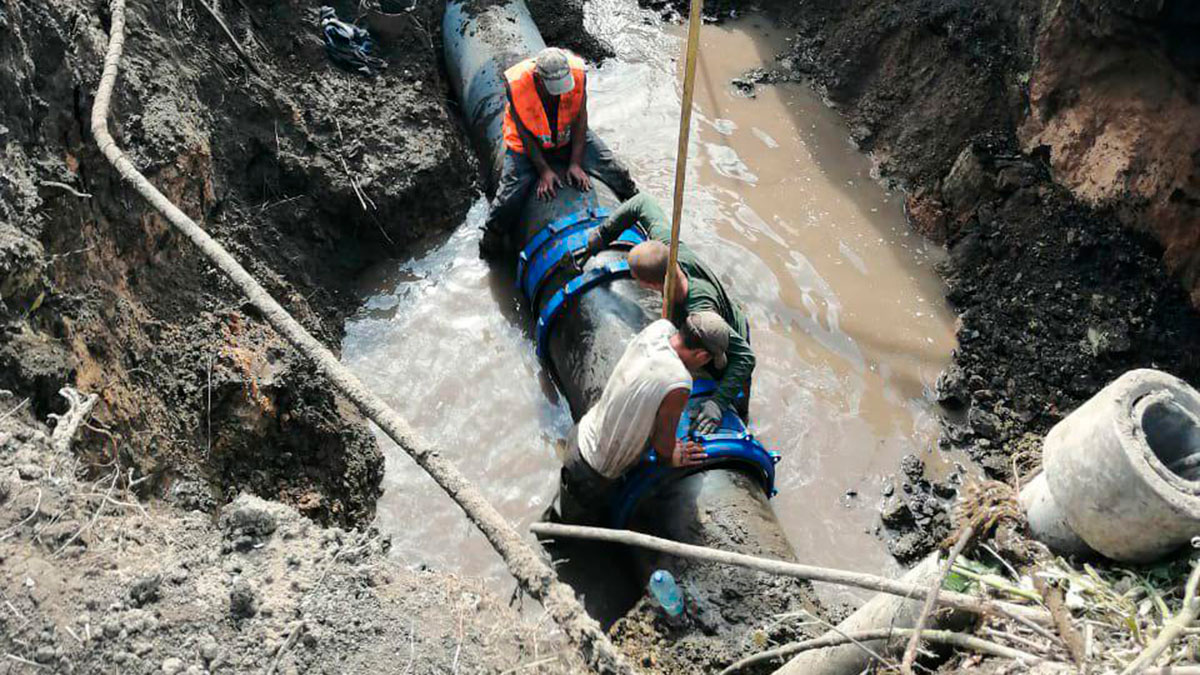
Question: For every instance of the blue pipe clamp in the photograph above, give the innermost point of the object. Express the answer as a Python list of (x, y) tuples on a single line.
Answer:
[(731, 445), (540, 258)]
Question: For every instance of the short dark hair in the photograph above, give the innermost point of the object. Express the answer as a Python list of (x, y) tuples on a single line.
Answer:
[(648, 261)]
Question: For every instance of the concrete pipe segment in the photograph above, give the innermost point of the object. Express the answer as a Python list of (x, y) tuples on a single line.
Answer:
[(1121, 474), (720, 506)]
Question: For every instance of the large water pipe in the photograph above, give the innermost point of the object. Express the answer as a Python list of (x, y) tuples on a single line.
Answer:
[(723, 506)]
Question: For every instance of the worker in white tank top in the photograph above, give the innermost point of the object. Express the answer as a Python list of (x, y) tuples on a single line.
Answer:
[(639, 409)]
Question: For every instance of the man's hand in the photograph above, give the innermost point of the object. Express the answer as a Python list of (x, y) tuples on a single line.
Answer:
[(688, 453), (547, 185), (708, 418), (575, 261), (578, 177)]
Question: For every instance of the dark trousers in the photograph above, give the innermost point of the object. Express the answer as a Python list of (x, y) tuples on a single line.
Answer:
[(518, 177), (583, 492)]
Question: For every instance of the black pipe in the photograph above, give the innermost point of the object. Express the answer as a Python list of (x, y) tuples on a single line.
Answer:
[(721, 507)]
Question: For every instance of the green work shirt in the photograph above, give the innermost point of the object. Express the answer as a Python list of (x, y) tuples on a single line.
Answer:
[(705, 291)]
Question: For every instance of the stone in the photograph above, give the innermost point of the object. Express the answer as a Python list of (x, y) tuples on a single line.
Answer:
[(967, 183), (30, 471), (248, 522), (172, 665), (984, 423), (952, 391), (145, 590), (896, 513), (209, 651), (243, 600)]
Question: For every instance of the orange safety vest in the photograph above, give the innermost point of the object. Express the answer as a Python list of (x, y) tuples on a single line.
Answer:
[(529, 106)]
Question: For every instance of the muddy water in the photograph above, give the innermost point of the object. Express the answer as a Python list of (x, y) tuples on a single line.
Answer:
[(848, 323)]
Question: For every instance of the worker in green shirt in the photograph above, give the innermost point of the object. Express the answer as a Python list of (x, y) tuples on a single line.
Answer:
[(698, 290)]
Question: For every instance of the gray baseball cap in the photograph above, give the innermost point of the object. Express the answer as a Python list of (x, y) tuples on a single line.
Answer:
[(713, 333), (554, 71)]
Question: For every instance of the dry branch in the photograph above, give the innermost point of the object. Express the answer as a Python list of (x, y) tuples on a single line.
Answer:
[(67, 424), (1057, 605), (64, 186), (931, 598), (941, 636), (232, 40), (535, 576), (962, 601)]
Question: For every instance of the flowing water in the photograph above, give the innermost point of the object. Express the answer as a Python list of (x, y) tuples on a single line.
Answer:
[(847, 316)]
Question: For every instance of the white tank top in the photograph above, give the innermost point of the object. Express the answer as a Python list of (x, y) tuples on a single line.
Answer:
[(616, 431)]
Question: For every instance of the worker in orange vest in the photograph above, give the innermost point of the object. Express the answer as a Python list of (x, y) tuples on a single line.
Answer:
[(546, 124)]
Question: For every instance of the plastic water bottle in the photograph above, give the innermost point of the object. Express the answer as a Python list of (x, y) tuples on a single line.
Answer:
[(666, 592)]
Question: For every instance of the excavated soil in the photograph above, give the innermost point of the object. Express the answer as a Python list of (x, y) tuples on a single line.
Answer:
[(304, 172), (95, 582)]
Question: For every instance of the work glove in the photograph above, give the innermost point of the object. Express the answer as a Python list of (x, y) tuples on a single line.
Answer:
[(707, 418), (576, 260)]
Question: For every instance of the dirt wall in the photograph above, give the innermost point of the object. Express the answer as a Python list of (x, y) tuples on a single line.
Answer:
[(306, 173)]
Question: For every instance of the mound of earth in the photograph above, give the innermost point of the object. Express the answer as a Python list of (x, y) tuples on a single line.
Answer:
[(93, 581)]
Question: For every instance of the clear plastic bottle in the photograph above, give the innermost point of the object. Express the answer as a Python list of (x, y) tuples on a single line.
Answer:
[(666, 592)]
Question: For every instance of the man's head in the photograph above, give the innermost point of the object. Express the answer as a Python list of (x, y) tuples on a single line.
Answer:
[(554, 71), (326, 13), (648, 264), (703, 338)]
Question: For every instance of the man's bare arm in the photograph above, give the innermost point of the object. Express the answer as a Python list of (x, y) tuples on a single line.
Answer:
[(575, 174), (665, 424)]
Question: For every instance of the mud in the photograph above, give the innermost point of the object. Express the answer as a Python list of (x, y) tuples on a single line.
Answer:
[(258, 589)]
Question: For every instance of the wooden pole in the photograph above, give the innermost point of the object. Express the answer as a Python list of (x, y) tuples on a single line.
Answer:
[(871, 582), (681, 153)]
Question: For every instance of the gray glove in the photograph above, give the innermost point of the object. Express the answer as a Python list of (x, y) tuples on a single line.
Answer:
[(707, 418), (575, 261)]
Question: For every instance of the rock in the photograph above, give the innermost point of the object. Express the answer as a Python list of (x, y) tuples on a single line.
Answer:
[(952, 389), (896, 514), (967, 184), (243, 600), (172, 665), (145, 590), (1016, 175), (912, 467), (209, 651), (984, 423), (247, 522), (30, 471), (44, 654)]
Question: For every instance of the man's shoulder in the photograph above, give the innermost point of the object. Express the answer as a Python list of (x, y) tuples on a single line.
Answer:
[(658, 329)]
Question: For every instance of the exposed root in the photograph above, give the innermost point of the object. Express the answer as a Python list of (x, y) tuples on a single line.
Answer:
[(67, 424)]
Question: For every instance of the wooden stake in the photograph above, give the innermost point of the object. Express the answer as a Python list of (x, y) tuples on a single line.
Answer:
[(681, 153)]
